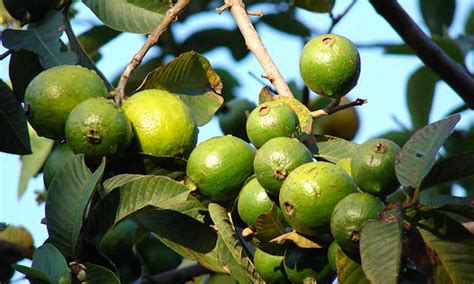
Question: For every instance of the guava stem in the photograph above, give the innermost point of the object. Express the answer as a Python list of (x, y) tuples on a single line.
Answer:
[(335, 108), (170, 17), (255, 45)]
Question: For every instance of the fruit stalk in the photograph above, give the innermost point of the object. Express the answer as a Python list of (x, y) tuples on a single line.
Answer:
[(255, 45), (454, 74), (170, 17), (335, 108)]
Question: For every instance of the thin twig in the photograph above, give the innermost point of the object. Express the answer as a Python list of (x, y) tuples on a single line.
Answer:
[(255, 45), (335, 108), (180, 275), (335, 19), (153, 38), (262, 82), (258, 13), (5, 54), (454, 74)]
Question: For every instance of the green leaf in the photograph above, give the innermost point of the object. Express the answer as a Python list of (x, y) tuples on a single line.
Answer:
[(299, 240), (96, 37), (24, 66), (469, 24), (319, 6), (49, 260), (13, 126), (420, 92), (97, 274), (230, 264), (438, 14), (460, 205), (138, 16), (381, 248), (417, 156), (349, 271), (149, 191), (190, 76), (229, 83), (225, 229), (67, 200), (33, 163), (450, 245), (31, 273), (333, 149), (286, 22), (206, 40), (450, 169), (43, 40), (184, 234), (118, 181)]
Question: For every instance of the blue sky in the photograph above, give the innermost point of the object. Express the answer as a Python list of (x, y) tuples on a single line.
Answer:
[(382, 81)]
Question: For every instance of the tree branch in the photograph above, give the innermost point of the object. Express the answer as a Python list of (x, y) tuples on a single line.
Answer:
[(335, 19), (178, 275), (153, 38), (5, 54), (336, 107), (255, 45), (434, 57)]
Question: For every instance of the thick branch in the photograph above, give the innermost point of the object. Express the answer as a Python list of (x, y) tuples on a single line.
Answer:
[(178, 275), (255, 45), (434, 57), (153, 38), (336, 107)]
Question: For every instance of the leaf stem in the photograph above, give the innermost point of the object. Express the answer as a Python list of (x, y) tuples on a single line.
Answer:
[(153, 38), (454, 74), (336, 107), (255, 45), (179, 275), (335, 19)]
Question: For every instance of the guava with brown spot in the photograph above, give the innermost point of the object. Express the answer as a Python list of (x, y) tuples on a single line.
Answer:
[(98, 128), (310, 193), (276, 159), (330, 65), (373, 166), (270, 120), (350, 215)]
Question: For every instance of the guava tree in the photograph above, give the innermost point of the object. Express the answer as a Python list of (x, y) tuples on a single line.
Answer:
[(129, 195)]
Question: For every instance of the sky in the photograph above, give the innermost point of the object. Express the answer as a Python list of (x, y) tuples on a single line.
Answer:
[(382, 81)]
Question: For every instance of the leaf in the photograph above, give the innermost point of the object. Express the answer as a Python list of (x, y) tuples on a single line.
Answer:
[(286, 22), (299, 240), (190, 76), (320, 6), (469, 24), (184, 234), (96, 37), (13, 126), (333, 149), (450, 247), (49, 260), (304, 115), (229, 263), (381, 248), (43, 39), (31, 273), (210, 39), (119, 180), (450, 169), (460, 205), (420, 91), (225, 229), (97, 274), (399, 137), (417, 156), (33, 163), (349, 271), (268, 226), (68, 196), (438, 14), (24, 66), (149, 191), (229, 82), (139, 16)]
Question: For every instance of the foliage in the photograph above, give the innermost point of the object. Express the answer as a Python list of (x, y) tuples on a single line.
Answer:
[(424, 229)]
